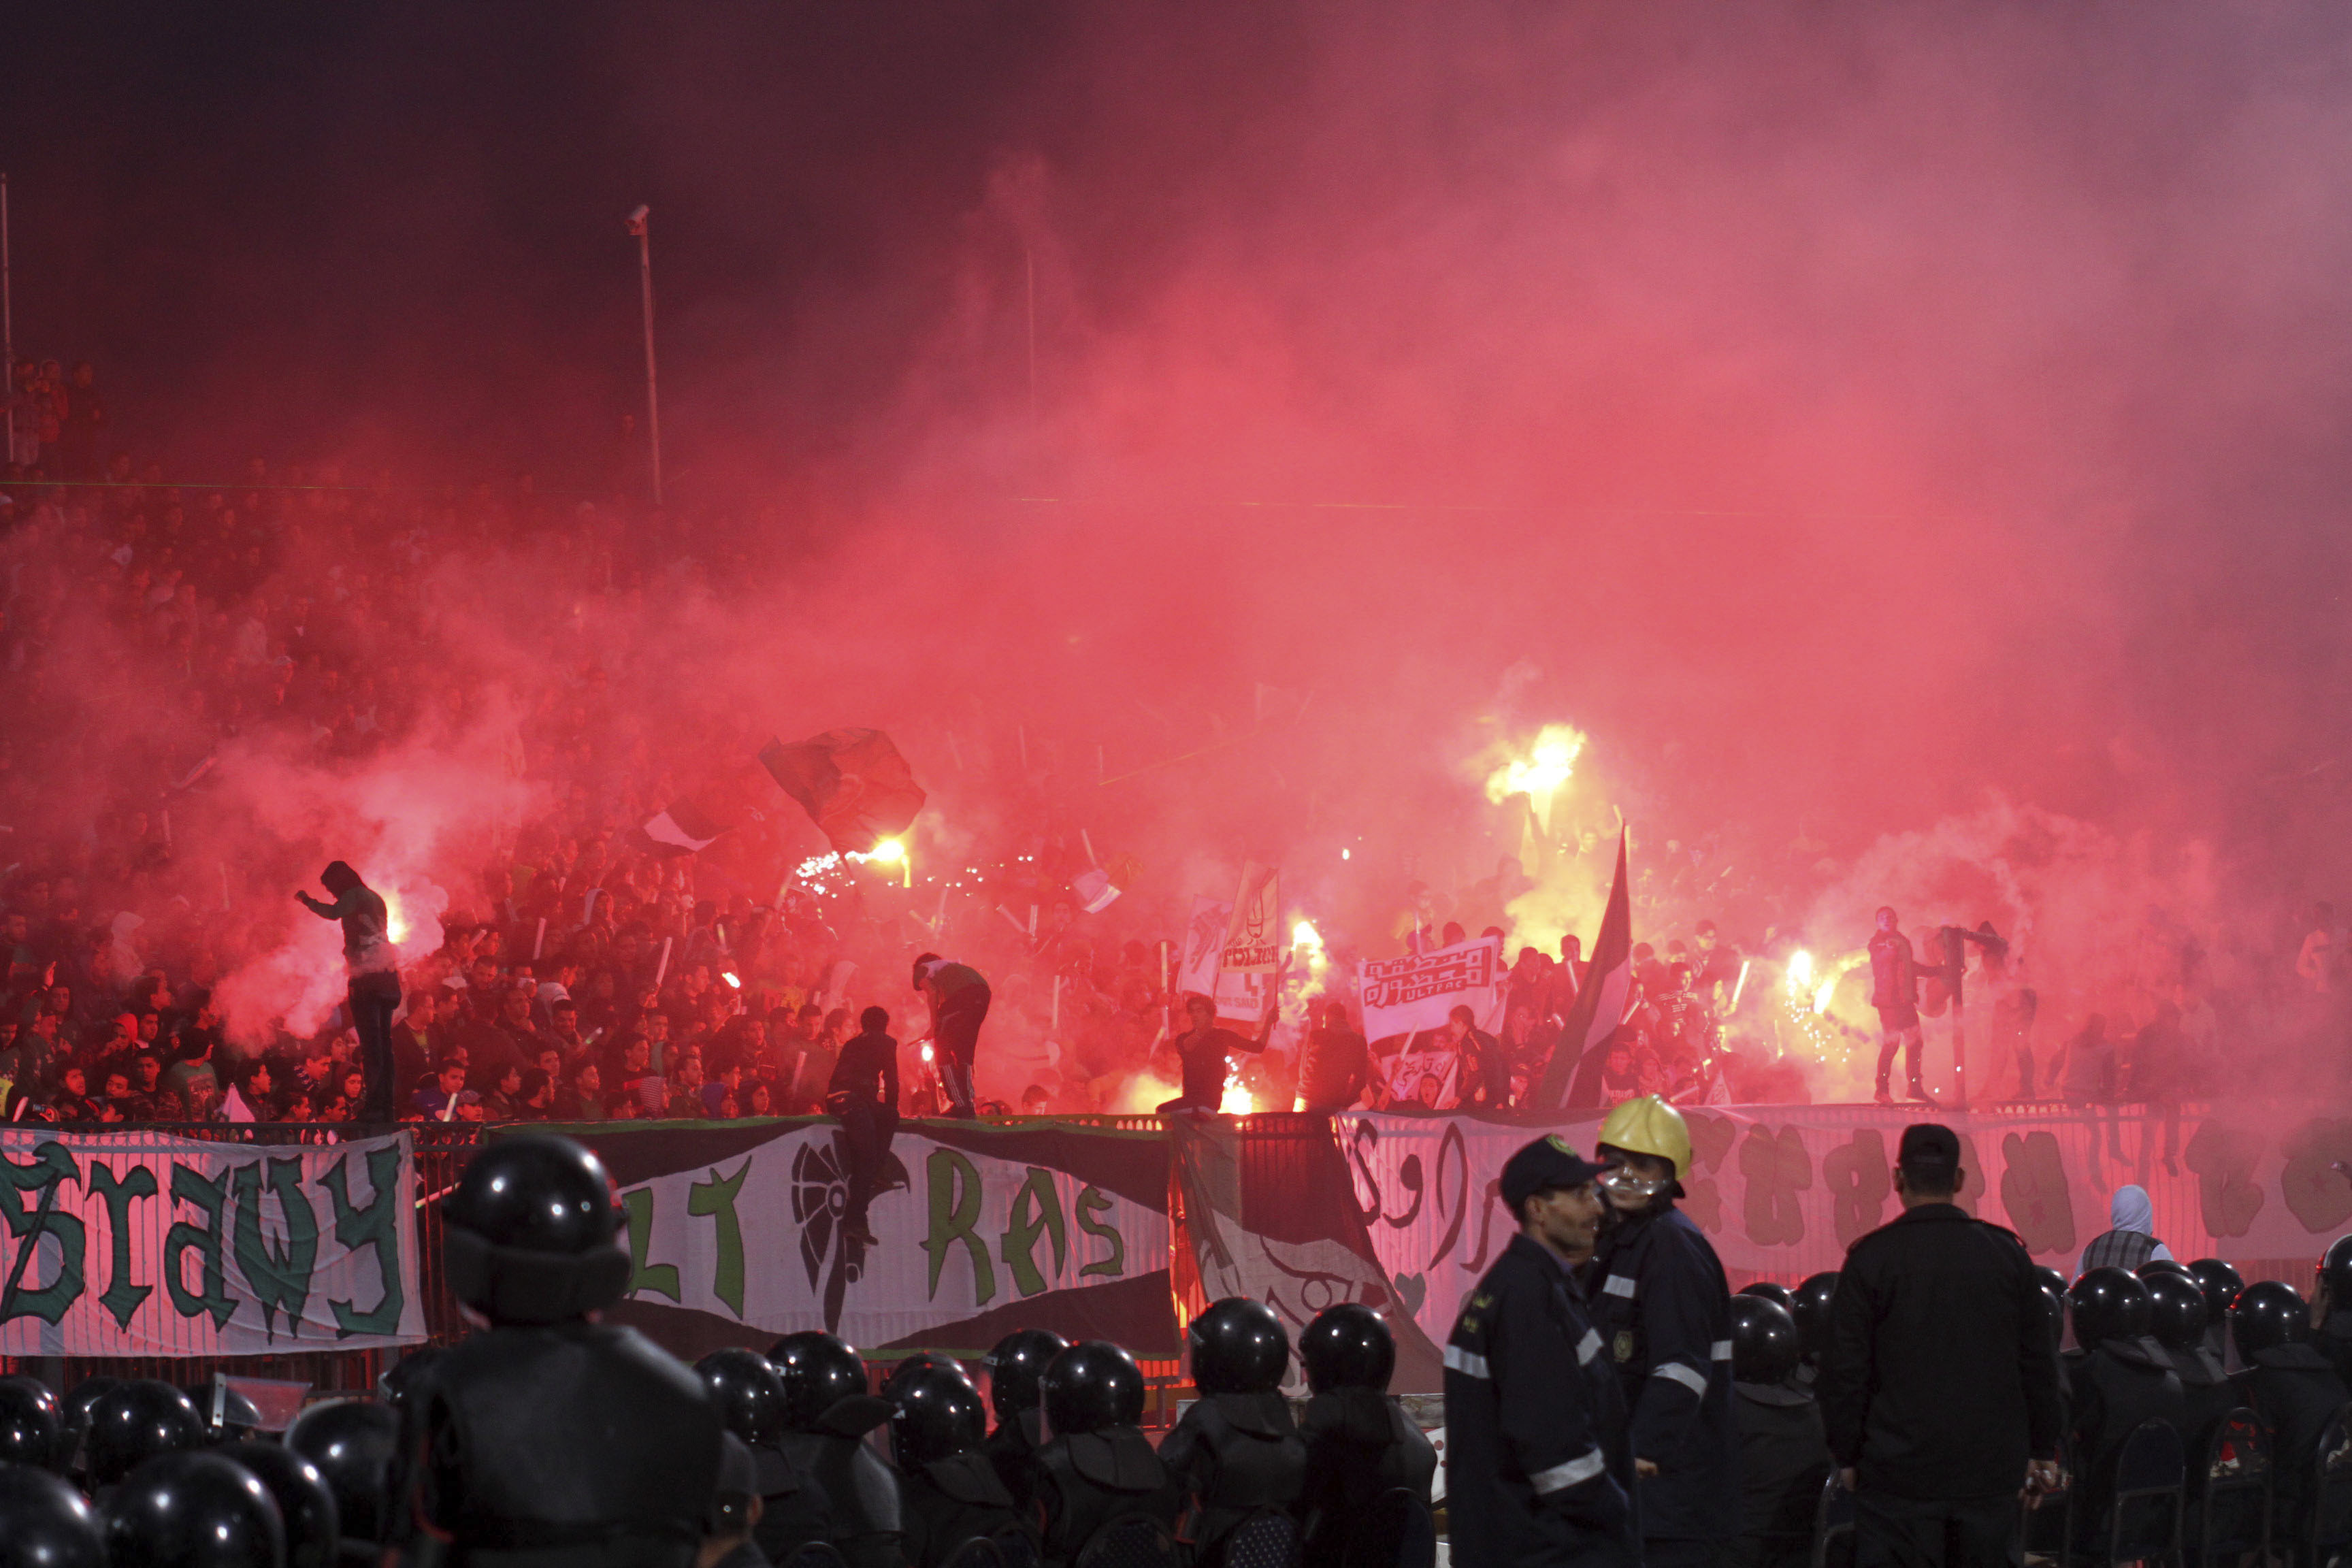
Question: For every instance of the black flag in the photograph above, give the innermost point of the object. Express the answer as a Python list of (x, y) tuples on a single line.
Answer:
[(1572, 1079)]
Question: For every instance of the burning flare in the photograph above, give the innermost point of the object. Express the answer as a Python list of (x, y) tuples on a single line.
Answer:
[(1541, 769)]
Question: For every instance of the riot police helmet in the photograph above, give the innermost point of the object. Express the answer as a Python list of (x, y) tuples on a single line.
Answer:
[(32, 1423), (2109, 1304), (919, 1363), (2267, 1314), (528, 1233), (2336, 1274), (1772, 1290), (747, 1391), (193, 1510), (2221, 1283), (1237, 1346), (1810, 1307), (1348, 1346), (1016, 1364), (2175, 1311), (45, 1523), (1092, 1385), (935, 1414), (353, 1443), (132, 1423), (1764, 1345), (306, 1504), (818, 1371)]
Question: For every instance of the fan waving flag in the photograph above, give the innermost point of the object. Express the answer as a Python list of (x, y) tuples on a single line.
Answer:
[(853, 783), (1574, 1077), (685, 828)]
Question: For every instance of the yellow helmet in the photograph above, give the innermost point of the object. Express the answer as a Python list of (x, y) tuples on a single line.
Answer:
[(1649, 1126)]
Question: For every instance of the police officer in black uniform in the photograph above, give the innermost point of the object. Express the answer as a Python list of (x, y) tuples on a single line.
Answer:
[(1809, 1304), (353, 1442), (32, 1423), (2290, 1384), (949, 1490), (1784, 1453), (2333, 1308), (193, 1508), (45, 1521), (1235, 1453), (1361, 1447), (827, 1413), (2222, 1284), (1940, 1388), (1097, 1474), (1665, 1310), (2120, 1377), (548, 1439), (2177, 1323), (1538, 1469), (751, 1401), (1014, 1368)]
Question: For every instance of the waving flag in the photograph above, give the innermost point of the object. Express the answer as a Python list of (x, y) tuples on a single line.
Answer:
[(853, 784), (1574, 1077)]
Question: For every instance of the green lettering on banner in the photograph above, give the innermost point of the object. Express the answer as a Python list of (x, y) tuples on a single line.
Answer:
[(661, 1278), (1036, 1208), (375, 1227), (189, 1186), (278, 1277), (955, 1216), (716, 1199), (122, 1299), (52, 1166), (1092, 1201)]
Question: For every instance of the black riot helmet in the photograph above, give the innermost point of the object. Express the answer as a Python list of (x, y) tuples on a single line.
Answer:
[(1016, 1364), (1237, 1346), (528, 1234), (1810, 1307), (2336, 1274), (77, 1401), (2268, 1314), (131, 1423), (2053, 1279), (749, 1393), (193, 1510), (400, 1380), (936, 1414), (915, 1364), (305, 1505), (1091, 1385), (1772, 1290), (2175, 1311), (1765, 1346), (228, 1413), (2222, 1284), (2109, 1304), (45, 1523), (1348, 1346), (818, 1371), (353, 1443), (2052, 1307), (32, 1424)]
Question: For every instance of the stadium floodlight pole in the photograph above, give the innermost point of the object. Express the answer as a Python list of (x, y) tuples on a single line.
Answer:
[(641, 225)]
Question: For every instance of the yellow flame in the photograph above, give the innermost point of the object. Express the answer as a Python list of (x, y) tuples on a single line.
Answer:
[(1307, 939), (731, 981), (1549, 763), (1799, 976), (890, 852), (395, 924)]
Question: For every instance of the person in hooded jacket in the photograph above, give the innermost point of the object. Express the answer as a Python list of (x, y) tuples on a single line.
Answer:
[(950, 1490), (1664, 1312), (1361, 1445), (1784, 1451), (1235, 1454), (2291, 1386), (827, 1413), (1097, 1474), (2120, 1377), (2131, 1239)]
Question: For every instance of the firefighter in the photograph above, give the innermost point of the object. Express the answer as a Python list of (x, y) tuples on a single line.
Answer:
[(1664, 1312)]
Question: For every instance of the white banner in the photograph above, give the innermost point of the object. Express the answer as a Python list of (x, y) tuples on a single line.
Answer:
[(1421, 989), (1254, 939), (138, 1244)]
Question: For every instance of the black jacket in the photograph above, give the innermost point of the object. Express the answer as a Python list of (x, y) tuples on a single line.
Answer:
[(1011, 1448), (1232, 1455), (1940, 1381), (2210, 1397), (1538, 1469), (1360, 1445), (1088, 1481), (948, 1502), (860, 1486), (1784, 1457), (1664, 1311), (2296, 1393), (2119, 1386)]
